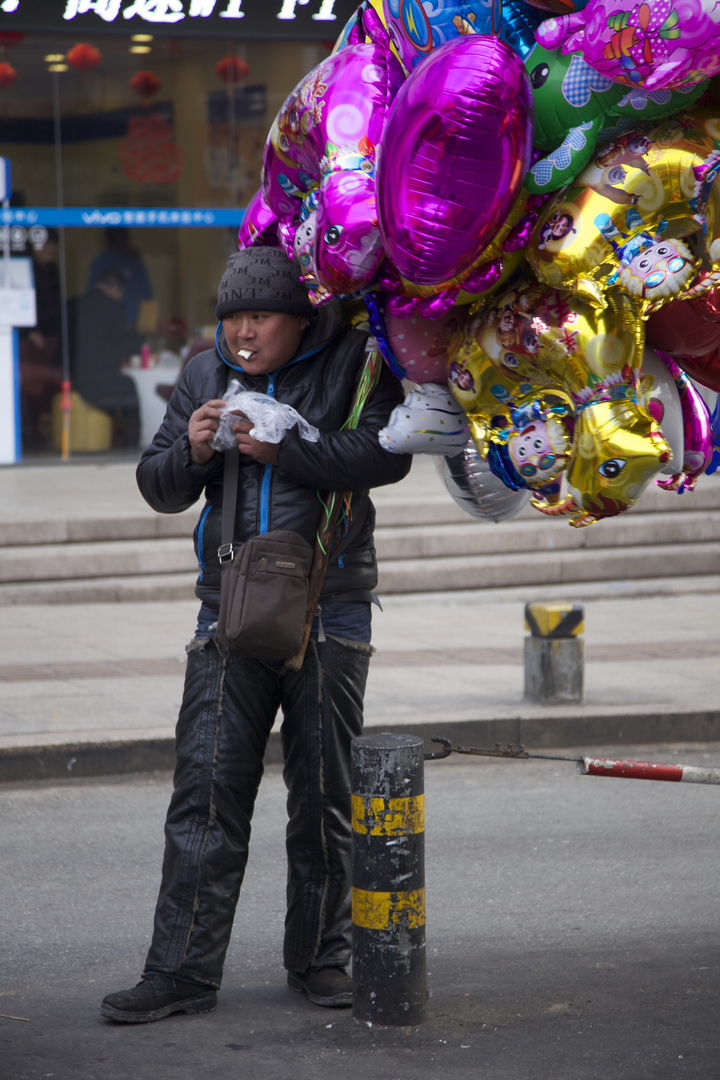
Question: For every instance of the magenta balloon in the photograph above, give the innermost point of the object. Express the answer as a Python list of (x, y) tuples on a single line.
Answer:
[(348, 249), (259, 224), (455, 148), (657, 44), (697, 429), (341, 107)]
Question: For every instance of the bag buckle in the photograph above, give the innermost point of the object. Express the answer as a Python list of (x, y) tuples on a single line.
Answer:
[(225, 553)]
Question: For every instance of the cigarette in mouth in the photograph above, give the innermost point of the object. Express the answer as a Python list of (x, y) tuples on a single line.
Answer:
[(244, 354)]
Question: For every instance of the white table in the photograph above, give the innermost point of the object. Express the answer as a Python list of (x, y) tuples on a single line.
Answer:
[(152, 405)]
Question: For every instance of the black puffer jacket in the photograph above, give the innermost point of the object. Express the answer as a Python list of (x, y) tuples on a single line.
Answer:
[(319, 382)]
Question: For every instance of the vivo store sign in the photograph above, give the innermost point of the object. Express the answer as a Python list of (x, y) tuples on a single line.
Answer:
[(252, 18)]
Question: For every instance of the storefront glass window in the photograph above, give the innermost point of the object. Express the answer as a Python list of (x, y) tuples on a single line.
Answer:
[(148, 124)]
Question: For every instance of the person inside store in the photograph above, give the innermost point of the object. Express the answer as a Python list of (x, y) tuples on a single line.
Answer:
[(272, 341), (98, 348), (121, 254), (40, 350)]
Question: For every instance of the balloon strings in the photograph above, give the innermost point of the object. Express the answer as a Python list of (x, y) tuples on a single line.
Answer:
[(368, 381)]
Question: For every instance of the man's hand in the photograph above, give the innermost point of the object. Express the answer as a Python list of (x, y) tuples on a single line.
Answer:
[(202, 427), (264, 453)]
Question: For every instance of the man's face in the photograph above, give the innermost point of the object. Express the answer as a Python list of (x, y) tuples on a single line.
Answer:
[(271, 337)]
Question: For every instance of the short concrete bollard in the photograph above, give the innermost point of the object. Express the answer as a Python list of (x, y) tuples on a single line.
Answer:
[(554, 656), (388, 896)]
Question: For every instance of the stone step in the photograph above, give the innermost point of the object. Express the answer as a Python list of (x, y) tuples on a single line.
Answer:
[(84, 535), (419, 500), (117, 558), (548, 535), (410, 575), (546, 539), (539, 568)]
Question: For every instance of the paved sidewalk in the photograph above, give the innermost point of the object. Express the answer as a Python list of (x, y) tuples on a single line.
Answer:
[(95, 688), (92, 689)]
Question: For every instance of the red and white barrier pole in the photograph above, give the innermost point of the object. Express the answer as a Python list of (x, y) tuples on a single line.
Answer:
[(647, 770)]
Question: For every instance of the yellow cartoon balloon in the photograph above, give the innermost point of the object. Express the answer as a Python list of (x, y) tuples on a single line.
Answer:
[(553, 383), (618, 448), (642, 217)]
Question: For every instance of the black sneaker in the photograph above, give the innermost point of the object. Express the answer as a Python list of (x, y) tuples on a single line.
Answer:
[(330, 986), (155, 997)]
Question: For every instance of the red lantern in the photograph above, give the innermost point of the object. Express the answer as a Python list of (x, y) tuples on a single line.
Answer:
[(145, 83), (8, 75), (83, 57), (232, 69)]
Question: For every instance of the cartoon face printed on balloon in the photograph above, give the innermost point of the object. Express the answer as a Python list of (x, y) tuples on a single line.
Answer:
[(539, 451), (653, 44), (618, 449), (632, 210), (515, 333), (304, 248), (661, 270), (608, 443), (460, 378), (531, 447)]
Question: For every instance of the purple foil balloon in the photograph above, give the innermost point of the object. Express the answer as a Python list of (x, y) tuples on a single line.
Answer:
[(455, 148), (697, 431), (348, 248), (259, 225), (325, 139)]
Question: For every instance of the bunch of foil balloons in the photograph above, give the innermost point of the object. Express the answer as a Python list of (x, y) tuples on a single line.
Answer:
[(526, 205)]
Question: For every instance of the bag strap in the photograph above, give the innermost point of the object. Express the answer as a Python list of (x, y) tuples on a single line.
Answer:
[(230, 487), (367, 382)]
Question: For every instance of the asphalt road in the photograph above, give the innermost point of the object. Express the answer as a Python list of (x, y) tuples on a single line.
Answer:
[(572, 933)]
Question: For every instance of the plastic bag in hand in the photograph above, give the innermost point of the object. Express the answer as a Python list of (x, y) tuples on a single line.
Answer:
[(270, 418)]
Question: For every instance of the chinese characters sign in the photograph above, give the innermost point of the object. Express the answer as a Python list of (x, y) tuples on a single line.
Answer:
[(316, 19)]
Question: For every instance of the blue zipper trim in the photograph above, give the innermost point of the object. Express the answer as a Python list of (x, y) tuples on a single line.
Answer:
[(200, 533), (266, 478), (267, 472)]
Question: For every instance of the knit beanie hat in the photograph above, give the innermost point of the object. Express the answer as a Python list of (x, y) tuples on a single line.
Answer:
[(261, 279)]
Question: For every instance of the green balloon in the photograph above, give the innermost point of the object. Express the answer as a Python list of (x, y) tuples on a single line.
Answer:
[(576, 108)]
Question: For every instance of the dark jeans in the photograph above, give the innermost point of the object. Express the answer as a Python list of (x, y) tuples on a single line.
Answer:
[(228, 709)]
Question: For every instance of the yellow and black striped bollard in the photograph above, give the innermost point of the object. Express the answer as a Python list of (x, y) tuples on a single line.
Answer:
[(388, 897), (554, 655)]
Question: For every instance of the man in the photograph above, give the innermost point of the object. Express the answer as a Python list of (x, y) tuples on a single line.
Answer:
[(123, 257), (99, 346), (272, 341)]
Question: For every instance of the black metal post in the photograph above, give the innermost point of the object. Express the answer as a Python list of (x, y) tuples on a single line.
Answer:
[(388, 903)]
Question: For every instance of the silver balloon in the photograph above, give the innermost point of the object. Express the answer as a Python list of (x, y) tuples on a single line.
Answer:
[(476, 489), (666, 408)]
